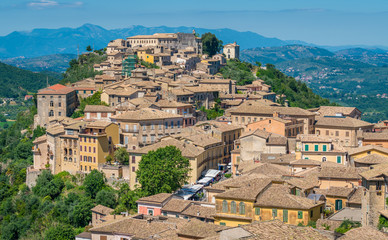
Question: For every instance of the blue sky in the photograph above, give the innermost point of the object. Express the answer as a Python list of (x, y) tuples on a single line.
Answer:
[(323, 22)]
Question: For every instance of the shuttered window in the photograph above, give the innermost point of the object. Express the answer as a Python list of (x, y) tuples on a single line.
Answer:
[(285, 215), (257, 211), (300, 215), (242, 208), (224, 206), (233, 207)]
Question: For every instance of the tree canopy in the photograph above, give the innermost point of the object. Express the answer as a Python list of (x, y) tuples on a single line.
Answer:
[(122, 156), (163, 170), (211, 45), (94, 182)]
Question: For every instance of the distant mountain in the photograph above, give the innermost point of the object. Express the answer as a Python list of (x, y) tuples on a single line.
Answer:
[(377, 57), (40, 42), (17, 82), (276, 55), (48, 63)]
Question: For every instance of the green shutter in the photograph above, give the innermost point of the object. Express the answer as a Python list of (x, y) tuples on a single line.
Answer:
[(224, 206), (257, 211), (306, 147), (300, 215), (222, 224), (338, 204), (316, 148), (233, 207), (274, 212), (338, 159), (242, 208), (297, 192), (324, 148), (285, 215)]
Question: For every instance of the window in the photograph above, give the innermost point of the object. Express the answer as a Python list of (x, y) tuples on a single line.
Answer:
[(316, 148), (222, 224), (306, 147), (336, 133), (166, 125), (179, 124), (144, 127), (133, 159), (378, 185), (285, 215), (51, 104), (327, 132), (224, 206), (300, 215), (59, 113), (347, 134), (51, 113), (151, 212), (274, 212), (257, 211), (172, 124), (144, 139), (164, 214), (233, 207), (152, 126), (324, 148), (242, 208), (338, 159), (311, 213), (94, 149), (133, 169)]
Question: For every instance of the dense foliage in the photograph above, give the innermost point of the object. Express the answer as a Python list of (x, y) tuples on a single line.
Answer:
[(95, 99), (347, 225), (122, 156), (242, 72), (16, 82), (82, 68), (297, 93), (163, 170), (213, 112), (211, 45)]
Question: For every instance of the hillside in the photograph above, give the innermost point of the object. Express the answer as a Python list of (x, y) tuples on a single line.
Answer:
[(40, 42), (377, 57), (16, 82), (276, 55), (49, 63)]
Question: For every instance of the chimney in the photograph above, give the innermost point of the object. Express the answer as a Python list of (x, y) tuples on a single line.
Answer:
[(275, 114)]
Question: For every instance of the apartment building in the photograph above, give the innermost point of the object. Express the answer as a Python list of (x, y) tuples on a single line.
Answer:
[(96, 141), (54, 102), (146, 126)]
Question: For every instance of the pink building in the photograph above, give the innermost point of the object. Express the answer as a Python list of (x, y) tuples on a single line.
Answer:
[(152, 205)]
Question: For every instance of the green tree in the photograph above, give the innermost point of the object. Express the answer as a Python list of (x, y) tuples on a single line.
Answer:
[(347, 225), (122, 156), (48, 185), (95, 99), (163, 170), (106, 197), (210, 44), (59, 232), (81, 214), (89, 48), (94, 182)]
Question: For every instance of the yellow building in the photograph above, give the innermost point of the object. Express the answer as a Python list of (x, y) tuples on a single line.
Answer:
[(146, 55), (341, 176), (96, 142), (310, 146), (265, 200), (367, 150), (336, 197)]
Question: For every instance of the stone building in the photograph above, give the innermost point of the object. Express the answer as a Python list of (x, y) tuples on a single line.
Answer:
[(232, 50), (53, 102)]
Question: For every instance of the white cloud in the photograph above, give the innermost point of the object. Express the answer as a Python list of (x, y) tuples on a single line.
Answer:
[(42, 4)]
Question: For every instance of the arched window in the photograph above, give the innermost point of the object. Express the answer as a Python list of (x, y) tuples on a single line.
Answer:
[(51, 104), (65, 151), (233, 207), (242, 208), (70, 159), (51, 113), (224, 206), (65, 159), (70, 152)]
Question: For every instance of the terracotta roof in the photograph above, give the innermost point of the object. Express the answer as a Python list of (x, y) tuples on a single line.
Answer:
[(302, 183), (98, 108), (312, 138), (99, 124), (248, 193), (102, 209), (157, 198), (333, 110), (375, 135), (267, 169), (372, 159), (145, 114), (376, 172), (55, 129), (275, 230), (257, 108), (340, 172), (276, 158), (356, 196), (168, 103), (341, 122), (187, 149), (336, 191), (176, 205), (56, 89), (278, 195), (306, 162), (364, 233), (196, 229), (234, 182), (354, 151), (199, 211), (128, 91), (42, 138)]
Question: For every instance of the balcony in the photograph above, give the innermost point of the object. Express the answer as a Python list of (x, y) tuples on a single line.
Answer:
[(129, 130)]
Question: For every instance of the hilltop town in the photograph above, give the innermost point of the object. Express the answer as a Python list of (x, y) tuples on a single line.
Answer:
[(259, 169)]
